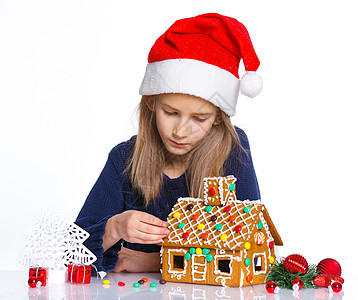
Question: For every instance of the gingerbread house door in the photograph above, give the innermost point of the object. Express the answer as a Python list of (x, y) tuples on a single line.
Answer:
[(198, 266)]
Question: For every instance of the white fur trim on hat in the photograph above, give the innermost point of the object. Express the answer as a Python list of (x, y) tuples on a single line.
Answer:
[(193, 77)]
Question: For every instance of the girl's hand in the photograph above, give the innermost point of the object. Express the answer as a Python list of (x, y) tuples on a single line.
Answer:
[(137, 261), (135, 227)]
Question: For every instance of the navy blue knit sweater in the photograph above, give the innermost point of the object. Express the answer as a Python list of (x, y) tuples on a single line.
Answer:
[(113, 193)]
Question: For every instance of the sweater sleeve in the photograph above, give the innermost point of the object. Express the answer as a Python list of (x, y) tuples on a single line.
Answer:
[(240, 165), (104, 200)]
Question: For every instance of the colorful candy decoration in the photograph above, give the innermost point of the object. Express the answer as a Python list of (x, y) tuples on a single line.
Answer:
[(232, 218), (295, 263), (218, 226), (121, 283), (271, 244), (247, 245), (200, 226), (185, 235), (232, 187), (212, 191), (297, 284), (249, 278), (238, 228), (205, 235), (260, 225), (181, 225), (209, 257), (195, 217), (153, 284), (259, 238), (176, 215), (209, 208), (329, 266), (227, 208), (247, 209), (223, 237), (187, 256), (213, 218), (190, 207)]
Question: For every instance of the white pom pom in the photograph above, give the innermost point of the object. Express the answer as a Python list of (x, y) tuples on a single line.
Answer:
[(251, 84)]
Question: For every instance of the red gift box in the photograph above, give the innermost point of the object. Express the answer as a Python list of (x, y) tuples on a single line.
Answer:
[(40, 274), (78, 274)]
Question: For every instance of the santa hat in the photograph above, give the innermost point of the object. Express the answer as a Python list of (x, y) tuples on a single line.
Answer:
[(200, 56)]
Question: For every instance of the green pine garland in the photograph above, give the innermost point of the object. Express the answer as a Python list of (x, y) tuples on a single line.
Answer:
[(284, 278)]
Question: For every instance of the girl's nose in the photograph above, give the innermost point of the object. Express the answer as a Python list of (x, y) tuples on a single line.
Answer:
[(182, 129)]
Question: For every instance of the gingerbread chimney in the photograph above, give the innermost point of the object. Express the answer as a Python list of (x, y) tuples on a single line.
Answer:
[(219, 190)]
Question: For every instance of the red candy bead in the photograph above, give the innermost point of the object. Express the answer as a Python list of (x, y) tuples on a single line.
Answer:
[(238, 228), (227, 208), (121, 283), (204, 235), (232, 218), (212, 191), (185, 235), (271, 244), (195, 217)]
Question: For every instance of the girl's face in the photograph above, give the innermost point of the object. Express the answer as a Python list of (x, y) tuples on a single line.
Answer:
[(183, 121)]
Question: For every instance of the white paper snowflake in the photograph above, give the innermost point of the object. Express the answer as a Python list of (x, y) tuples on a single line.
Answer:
[(55, 243)]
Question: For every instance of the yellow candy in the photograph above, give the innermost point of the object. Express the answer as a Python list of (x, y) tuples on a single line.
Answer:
[(176, 215), (271, 260), (200, 226), (198, 251), (247, 245), (223, 237), (106, 281)]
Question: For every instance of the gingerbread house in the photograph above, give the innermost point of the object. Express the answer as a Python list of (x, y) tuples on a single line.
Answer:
[(219, 240)]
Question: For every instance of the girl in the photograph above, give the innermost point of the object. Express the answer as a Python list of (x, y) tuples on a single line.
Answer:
[(189, 92)]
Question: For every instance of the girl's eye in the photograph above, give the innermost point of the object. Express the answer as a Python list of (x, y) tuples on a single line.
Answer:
[(169, 113), (199, 119)]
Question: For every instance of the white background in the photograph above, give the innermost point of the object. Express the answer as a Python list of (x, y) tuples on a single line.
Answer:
[(69, 78)]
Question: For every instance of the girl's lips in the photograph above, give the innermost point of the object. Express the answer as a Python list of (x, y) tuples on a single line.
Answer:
[(178, 144)]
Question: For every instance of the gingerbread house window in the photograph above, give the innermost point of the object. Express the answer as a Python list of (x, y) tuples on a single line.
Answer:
[(224, 265), (178, 262), (259, 263)]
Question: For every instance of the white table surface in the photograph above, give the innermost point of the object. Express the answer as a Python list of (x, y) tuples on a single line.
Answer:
[(13, 285)]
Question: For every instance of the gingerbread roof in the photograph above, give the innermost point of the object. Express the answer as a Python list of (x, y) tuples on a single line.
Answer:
[(193, 223)]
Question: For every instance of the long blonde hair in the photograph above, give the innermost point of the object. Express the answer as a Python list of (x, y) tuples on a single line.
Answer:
[(150, 155)]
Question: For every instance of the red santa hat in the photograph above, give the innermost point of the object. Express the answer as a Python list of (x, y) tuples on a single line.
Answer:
[(200, 56)]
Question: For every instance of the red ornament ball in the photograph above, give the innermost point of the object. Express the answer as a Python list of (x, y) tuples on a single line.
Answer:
[(295, 263), (336, 287), (297, 284), (329, 266), (271, 244), (32, 282), (271, 286), (121, 283)]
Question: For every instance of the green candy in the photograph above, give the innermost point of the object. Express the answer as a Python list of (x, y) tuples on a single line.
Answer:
[(260, 225), (206, 251), (247, 209), (181, 225), (247, 261), (209, 208), (209, 257), (187, 256), (232, 187), (192, 250), (153, 284), (136, 284), (218, 227)]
